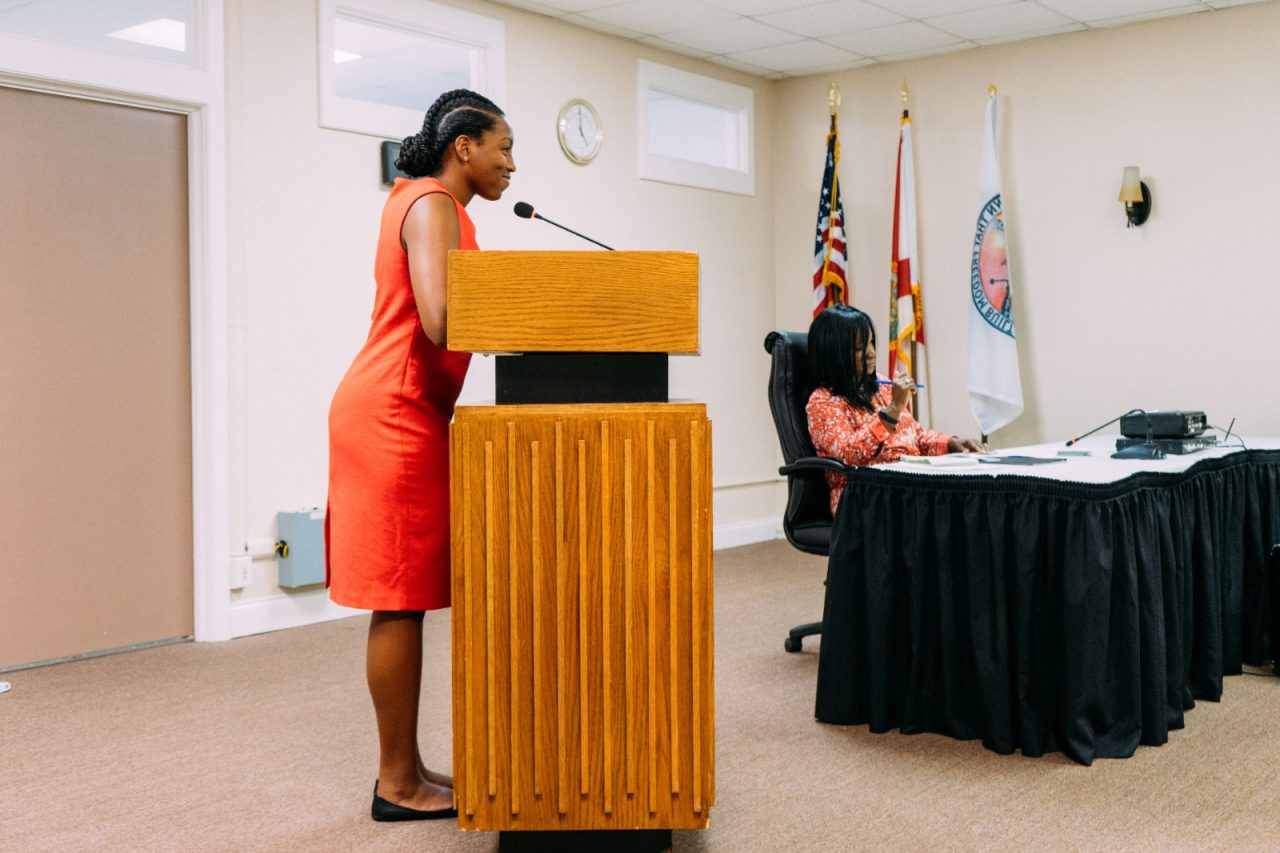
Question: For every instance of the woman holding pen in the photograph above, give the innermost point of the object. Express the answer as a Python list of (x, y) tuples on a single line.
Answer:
[(854, 414)]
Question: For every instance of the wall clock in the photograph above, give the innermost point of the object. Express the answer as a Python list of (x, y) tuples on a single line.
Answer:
[(581, 131)]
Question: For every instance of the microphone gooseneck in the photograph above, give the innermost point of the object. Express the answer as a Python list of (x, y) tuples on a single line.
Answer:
[(1107, 424), (525, 211)]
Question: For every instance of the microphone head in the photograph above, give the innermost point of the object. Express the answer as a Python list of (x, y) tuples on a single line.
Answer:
[(524, 210)]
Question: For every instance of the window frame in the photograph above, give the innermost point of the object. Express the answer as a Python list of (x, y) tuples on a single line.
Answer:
[(652, 77), (421, 17)]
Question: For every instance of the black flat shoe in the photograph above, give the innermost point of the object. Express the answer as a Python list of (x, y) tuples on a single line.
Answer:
[(385, 810)]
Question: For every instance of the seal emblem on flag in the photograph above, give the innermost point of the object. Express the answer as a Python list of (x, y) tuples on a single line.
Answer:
[(989, 269)]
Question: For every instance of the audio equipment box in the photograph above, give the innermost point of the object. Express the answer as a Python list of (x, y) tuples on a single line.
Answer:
[(1172, 445), (1173, 424)]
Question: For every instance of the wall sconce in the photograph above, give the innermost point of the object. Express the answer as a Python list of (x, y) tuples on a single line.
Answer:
[(1136, 196)]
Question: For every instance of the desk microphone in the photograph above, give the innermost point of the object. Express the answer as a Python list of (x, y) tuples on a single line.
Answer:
[(525, 211), (1147, 450)]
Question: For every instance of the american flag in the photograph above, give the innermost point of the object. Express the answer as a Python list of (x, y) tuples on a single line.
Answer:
[(830, 283)]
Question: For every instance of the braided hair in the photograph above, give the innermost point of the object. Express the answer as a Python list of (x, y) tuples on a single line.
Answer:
[(460, 112)]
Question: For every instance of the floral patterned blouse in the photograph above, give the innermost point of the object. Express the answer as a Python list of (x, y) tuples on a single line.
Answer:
[(860, 437)]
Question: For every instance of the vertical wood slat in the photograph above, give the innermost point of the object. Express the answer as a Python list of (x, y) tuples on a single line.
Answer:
[(695, 603), (562, 628), (489, 642), (606, 610), (584, 745), (535, 540), (513, 625), (673, 644), (709, 603), (628, 622), (651, 491), (468, 603)]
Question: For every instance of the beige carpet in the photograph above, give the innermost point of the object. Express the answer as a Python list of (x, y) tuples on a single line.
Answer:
[(267, 743)]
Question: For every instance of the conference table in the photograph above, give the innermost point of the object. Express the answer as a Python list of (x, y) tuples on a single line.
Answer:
[(1081, 605)]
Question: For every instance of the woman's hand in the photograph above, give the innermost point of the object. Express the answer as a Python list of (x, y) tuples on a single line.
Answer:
[(901, 390), (956, 444)]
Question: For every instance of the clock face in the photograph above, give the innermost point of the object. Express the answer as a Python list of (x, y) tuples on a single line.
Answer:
[(580, 130)]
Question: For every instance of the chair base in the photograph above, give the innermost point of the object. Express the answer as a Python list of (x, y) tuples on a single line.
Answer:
[(793, 641)]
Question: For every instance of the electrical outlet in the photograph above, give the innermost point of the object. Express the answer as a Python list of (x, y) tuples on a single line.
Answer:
[(241, 566)]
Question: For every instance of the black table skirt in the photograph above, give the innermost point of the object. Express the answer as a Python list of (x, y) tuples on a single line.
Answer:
[(1041, 615)]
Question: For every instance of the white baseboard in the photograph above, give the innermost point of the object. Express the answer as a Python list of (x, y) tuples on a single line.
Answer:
[(746, 533), (291, 610), (285, 611)]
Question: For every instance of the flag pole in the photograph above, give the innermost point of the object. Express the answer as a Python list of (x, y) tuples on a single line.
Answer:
[(833, 106)]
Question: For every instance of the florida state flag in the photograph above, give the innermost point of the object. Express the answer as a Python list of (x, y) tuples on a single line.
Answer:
[(906, 311)]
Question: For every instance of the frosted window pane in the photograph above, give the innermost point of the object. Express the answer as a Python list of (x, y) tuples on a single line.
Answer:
[(691, 130), (395, 67), (150, 29)]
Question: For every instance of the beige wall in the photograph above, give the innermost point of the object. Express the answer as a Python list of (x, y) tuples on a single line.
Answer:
[(1107, 318), (1176, 314), (304, 204)]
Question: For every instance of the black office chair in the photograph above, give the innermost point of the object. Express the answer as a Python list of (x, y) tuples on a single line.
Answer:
[(807, 520)]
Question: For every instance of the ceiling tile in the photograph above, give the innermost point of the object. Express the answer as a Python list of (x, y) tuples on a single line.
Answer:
[(532, 6), (741, 66), (832, 18), (1096, 10), (928, 51), (1150, 16), (759, 7), (654, 17), (1226, 4), (1073, 27), (791, 57), (660, 42), (929, 8), (563, 7), (736, 35), (893, 39), (1024, 17), (600, 26)]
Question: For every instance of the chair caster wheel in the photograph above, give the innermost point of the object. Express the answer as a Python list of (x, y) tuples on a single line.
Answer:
[(791, 644)]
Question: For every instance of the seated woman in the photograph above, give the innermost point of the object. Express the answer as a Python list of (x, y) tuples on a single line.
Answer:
[(855, 415)]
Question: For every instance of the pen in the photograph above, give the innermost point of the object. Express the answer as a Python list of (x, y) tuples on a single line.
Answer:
[(890, 382)]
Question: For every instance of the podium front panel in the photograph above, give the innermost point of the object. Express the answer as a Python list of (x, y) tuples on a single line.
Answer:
[(582, 616)]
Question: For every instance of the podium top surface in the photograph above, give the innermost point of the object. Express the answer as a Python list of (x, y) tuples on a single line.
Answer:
[(526, 301)]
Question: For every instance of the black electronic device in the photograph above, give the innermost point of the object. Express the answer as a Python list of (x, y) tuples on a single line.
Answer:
[(1171, 424), (1171, 445)]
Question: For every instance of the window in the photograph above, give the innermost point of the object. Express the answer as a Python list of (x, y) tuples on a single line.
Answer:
[(695, 130), (383, 62), (158, 30)]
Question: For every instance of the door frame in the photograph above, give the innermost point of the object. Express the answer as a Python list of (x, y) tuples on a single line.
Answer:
[(199, 93)]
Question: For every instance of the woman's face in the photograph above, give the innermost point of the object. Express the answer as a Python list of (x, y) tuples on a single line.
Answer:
[(864, 368), (490, 163), (864, 360)]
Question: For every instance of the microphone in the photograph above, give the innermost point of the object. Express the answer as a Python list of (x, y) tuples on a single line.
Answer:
[(525, 211), (1147, 450)]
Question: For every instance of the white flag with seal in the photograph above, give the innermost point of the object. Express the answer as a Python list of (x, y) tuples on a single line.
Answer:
[(995, 386)]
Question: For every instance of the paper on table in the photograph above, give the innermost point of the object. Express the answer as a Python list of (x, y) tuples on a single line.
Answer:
[(950, 460)]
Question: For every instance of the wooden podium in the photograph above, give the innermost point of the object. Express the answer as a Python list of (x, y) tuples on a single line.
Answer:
[(581, 544)]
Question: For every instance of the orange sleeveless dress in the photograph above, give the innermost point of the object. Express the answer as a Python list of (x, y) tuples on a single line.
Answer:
[(387, 522)]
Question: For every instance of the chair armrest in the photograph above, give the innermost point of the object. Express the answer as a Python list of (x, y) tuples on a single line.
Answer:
[(814, 463)]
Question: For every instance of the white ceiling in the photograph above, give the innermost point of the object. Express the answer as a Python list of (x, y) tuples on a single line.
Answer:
[(790, 38)]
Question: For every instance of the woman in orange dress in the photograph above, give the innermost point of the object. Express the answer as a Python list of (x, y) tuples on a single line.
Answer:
[(387, 525)]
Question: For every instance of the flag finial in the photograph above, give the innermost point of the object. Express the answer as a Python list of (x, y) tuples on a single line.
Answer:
[(833, 98), (991, 90), (906, 96)]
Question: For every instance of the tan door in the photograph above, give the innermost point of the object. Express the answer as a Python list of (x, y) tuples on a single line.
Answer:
[(95, 379)]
